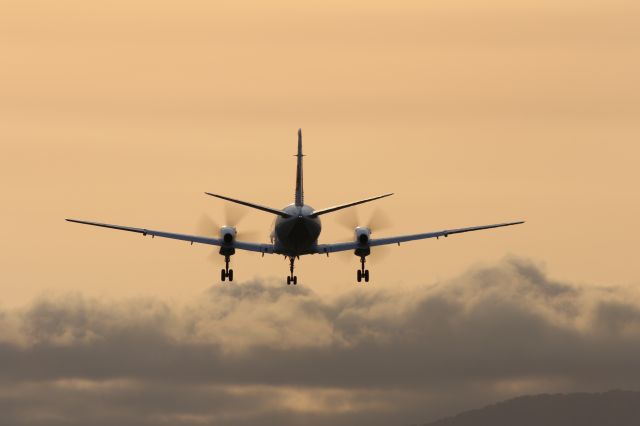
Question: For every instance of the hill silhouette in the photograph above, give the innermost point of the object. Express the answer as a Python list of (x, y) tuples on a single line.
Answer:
[(613, 408)]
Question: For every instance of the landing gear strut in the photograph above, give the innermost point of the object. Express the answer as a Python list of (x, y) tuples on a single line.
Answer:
[(226, 272), (292, 279), (362, 272)]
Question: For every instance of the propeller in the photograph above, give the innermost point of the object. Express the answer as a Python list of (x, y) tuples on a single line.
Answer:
[(350, 219), (206, 226), (233, 215)]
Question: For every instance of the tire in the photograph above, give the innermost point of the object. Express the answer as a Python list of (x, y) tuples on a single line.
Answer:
[(359, 275), (295, 280), (288, 280), (230, 274), (223, 275), (366, 276)]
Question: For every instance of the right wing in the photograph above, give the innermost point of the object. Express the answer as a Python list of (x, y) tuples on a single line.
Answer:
[(332, 248), (256, 247)]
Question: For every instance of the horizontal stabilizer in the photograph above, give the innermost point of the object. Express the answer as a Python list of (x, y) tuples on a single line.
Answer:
[(252, 205), (344, 206)]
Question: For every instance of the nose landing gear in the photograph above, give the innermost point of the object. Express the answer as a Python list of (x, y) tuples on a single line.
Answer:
[(362, 272), (226, 272), (292, 279)]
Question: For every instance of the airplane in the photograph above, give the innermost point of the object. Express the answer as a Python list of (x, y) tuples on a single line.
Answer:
[(296, 231)]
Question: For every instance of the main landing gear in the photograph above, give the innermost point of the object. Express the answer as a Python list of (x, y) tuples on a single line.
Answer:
[(226, 272), (292, 279), (362, 272)]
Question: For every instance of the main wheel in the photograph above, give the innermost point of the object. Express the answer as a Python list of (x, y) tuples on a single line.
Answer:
[(288, 280), (295, 280), (230, 274), (366, 276), (223, 275), (359, 275)]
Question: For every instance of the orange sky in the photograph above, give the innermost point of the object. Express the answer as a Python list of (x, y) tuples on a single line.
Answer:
[(473, 113), (126, 112)]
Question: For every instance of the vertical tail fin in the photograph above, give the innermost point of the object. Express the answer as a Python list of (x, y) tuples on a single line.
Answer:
[(299, 191)]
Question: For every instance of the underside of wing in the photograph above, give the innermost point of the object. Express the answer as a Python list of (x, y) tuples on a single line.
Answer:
[(336, 247), (240, 245)]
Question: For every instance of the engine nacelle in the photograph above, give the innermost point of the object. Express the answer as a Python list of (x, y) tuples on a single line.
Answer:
[(363, 235), (228, 234)]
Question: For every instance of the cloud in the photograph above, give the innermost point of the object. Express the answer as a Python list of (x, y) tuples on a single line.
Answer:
[(263, 352)]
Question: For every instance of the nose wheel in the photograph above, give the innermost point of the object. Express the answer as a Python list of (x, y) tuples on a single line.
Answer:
[(292, 279), (226, 272), (363, 274)]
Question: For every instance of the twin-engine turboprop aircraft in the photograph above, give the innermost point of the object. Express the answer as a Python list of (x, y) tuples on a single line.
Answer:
[(296, 231)]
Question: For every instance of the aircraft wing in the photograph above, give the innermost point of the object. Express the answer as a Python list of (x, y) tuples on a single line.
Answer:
[(332, 248), (256, 247)]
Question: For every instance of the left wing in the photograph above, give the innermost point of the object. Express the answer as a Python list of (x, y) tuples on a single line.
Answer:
[(332, 248), (260, 248)]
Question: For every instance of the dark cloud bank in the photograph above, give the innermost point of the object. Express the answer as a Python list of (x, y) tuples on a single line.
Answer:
[(264, 353)]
